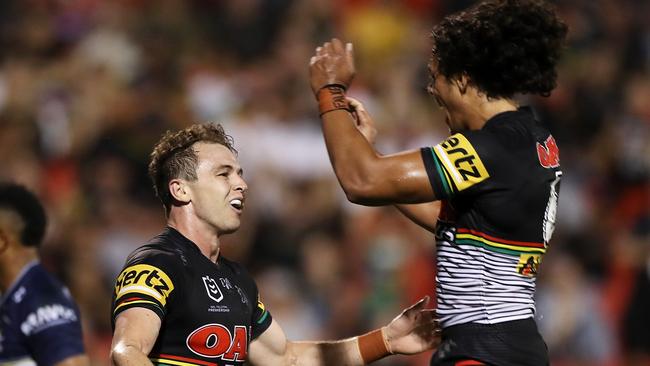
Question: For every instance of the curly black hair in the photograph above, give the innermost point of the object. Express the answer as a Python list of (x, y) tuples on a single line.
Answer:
[(505, 47), (19, 200)]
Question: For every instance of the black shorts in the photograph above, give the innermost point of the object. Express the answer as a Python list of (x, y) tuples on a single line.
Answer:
[(515, 343)]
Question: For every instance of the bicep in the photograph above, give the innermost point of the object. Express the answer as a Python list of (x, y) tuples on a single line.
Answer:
[(270, 347), (397, 178), (137, 328)]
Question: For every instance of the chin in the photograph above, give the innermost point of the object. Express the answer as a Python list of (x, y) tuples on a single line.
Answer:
[(229, 229)]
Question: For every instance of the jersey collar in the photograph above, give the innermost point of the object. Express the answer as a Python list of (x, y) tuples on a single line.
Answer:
[(23, 273)]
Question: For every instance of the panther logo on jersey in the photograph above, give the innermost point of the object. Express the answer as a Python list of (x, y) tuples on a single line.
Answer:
[(529, 264)]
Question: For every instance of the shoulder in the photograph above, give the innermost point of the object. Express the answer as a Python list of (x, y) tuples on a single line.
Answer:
[(39, 286), (43, 302)]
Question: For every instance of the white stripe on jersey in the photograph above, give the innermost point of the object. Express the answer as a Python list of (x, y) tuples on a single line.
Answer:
[(477, 285)]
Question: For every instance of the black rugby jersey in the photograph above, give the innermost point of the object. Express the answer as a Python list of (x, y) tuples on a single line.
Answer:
[(210, 311), (499, 188)]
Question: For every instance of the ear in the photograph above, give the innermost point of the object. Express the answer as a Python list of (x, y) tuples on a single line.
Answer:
[(462, 82), (179, 190)]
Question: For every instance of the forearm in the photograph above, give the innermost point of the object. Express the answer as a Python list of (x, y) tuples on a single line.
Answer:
[(344, 352), (350, 153), (423, 214), (128, 355), (354, 351)]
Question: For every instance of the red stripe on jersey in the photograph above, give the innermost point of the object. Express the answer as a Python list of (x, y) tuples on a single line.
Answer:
[(185, 359), (500, 240), (469, 363)]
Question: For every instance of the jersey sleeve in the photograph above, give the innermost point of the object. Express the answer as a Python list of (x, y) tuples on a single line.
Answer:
[(150, 282), (454, 165), (261, 318), (51, 326)]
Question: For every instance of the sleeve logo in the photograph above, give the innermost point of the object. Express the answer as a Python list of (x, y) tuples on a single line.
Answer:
[(144, 279), (549, 153), (461, 162)]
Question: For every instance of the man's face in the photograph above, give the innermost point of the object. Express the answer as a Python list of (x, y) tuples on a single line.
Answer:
[(217, 196), (446, 95)]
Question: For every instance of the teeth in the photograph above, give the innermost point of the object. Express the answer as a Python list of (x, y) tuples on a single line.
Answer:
[(236, 203)]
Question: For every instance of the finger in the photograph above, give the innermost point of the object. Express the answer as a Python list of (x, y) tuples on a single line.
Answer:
[(418, 305), (356, 104), (327, 47), (337, 46), (349, 53)]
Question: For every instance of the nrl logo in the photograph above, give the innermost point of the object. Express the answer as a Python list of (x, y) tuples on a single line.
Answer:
[(211, 287)]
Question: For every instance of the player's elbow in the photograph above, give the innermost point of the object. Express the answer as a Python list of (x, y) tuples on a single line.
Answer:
[(121, 353), (362, 191)]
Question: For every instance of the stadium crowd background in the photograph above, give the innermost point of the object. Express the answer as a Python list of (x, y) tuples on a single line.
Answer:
[(87, 87)]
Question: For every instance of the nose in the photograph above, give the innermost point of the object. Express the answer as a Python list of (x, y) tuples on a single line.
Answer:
[(240, 185), (430, 89)]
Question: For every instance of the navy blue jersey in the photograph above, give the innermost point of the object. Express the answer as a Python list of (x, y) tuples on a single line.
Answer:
[(39, 321)]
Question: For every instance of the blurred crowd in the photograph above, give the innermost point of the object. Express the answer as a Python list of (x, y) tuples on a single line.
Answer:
[(88, 86)]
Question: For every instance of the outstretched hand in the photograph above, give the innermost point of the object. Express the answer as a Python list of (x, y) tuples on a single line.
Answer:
[(415, 330), (333, 63)]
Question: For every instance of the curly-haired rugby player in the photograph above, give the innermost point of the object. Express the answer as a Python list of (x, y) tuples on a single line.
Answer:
[(488, 192)]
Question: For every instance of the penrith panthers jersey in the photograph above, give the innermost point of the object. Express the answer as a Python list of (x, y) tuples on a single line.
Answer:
[(210, 311), (499, 189), (39, 321)]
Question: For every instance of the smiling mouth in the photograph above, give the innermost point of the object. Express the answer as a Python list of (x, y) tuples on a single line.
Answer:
[(237, 204)]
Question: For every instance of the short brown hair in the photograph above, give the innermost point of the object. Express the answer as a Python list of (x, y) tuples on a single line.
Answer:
[(174, 156)]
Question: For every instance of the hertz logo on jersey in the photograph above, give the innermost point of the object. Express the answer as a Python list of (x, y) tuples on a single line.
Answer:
[(144, 279), (462, 164)]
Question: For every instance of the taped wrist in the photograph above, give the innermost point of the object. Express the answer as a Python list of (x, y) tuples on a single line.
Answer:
[(373, 346), (332, 97)]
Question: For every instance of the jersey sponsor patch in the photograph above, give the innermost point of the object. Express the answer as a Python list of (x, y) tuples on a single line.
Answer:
[(462, 165), (529, 264), (144, 279), (47, 316), (217, 341)]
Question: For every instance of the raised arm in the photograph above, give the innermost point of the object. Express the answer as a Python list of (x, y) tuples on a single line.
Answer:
[(424, 214), (366, 177), (136, 330), (413, 331)]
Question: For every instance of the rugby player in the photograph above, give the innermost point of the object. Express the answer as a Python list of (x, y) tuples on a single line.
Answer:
[(39, 320), (488, 192), (178, 301)]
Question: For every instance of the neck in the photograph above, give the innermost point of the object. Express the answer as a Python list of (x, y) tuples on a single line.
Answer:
[(11, 265), (482, 110), (198, 231)]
